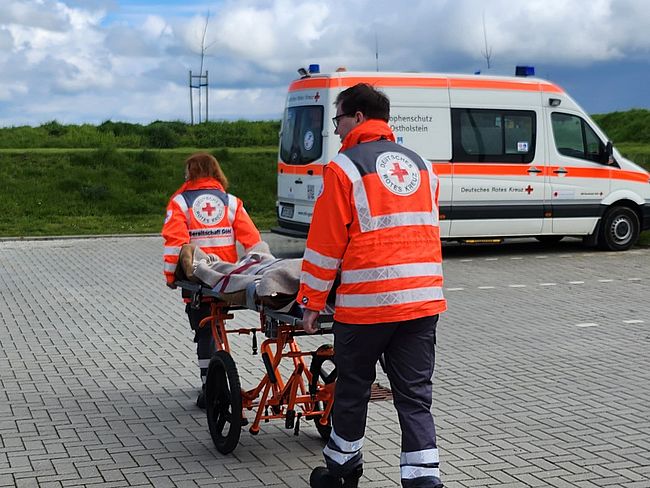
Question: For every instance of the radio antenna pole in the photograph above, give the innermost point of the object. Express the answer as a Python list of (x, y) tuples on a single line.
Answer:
[(376, 51)]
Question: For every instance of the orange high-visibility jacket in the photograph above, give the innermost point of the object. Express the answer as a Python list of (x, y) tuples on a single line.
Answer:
[(202, 213), (376, 220)]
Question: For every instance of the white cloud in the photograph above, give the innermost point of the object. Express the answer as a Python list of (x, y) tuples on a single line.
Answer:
[(50, 15), (98, 59)]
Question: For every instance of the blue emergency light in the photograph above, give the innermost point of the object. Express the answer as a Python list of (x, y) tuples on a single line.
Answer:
[(314, 68), (524, 71)]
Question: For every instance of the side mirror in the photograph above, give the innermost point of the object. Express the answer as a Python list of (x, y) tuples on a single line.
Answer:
[(609, 152)]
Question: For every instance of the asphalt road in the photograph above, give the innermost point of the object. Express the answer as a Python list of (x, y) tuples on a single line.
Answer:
[(542, 376)]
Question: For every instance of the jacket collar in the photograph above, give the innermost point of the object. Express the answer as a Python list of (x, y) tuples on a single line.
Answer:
[(368, 131), (200, 184)]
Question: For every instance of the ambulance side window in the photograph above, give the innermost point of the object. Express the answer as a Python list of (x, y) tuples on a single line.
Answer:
[(574, 138), (492, 135)]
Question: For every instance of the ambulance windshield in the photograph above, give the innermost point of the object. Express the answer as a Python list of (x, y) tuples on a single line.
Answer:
[(302, 134)]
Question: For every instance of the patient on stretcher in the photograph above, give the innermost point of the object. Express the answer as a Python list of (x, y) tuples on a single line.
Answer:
[(257, 279)]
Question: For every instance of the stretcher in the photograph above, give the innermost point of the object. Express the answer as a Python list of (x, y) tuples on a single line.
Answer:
[(284, 393)]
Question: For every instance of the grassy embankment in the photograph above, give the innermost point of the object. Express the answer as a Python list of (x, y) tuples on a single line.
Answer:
[(106, 191), (54, 180)]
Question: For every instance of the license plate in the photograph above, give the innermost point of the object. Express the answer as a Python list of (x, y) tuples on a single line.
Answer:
[(286, 212)]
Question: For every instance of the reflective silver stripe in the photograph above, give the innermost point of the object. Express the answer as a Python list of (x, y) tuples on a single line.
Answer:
[(369, 223), (426, 456), (343, 445), (389, 298), (213, 241), (203, 363), (433, 183), (171, 250), (348, 167), (320, 260), (339, 458), (315, 283), (232, 207), (411, 270), (398, 220), (180, 201), (411, 472), (169, 267), (358, 191)]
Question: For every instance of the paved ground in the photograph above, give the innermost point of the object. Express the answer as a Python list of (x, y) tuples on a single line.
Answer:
[(543, 374)]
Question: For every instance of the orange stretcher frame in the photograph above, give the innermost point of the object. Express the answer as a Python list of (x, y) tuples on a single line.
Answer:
[(307, 391)]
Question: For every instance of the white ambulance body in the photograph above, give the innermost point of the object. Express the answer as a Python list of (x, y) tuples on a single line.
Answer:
[(516, 156)]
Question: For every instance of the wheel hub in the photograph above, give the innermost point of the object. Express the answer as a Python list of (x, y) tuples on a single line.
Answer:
[(621, 230)]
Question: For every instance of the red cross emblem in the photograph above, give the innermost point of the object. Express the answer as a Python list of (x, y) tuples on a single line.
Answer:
[(528, 189), (399, 172), (317, 96), (208, 209)]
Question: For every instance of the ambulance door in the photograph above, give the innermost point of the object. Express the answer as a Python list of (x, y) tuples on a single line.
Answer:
[(300, 166), (498, 173), (578, 173)]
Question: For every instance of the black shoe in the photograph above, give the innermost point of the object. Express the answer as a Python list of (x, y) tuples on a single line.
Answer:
[(352, 480), (200, 400), (322, 478)]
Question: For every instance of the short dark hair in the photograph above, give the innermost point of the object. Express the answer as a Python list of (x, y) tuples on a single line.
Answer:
[(364, 98)]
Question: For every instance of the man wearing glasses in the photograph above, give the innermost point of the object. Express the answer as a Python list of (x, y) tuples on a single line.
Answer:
[(376, 222)]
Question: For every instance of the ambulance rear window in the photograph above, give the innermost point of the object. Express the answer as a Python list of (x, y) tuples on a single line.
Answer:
[(301, 140), (490, 135)]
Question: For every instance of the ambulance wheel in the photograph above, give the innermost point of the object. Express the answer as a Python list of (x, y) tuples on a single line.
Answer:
[(223, 402), (549, 239), (619, 229)]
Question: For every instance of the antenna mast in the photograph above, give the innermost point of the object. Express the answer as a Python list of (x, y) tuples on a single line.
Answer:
[(376, 51), (487, 54), (202, 79)]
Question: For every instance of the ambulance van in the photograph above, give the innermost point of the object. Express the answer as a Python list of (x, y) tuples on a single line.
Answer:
[(516, 156)]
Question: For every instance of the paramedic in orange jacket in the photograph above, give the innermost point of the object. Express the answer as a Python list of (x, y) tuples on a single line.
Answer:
[(376, 222), (202, 213)]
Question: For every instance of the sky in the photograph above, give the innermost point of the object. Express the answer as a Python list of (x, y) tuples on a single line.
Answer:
[(87, 61)]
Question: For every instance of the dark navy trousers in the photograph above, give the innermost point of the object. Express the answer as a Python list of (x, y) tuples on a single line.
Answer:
[(408, 350)]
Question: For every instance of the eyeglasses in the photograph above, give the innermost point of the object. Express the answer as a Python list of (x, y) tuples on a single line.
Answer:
[(336, 119)]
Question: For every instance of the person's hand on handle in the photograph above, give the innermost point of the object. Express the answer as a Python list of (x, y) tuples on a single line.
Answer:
[(310, 321)]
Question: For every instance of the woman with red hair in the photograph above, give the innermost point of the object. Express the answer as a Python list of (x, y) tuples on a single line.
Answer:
[(201, 212)]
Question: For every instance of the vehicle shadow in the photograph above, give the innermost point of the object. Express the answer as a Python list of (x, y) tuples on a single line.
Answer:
[(515, 247), (290, 248)]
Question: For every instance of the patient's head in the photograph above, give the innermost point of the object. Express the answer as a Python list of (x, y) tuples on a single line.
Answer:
[(204, 165)]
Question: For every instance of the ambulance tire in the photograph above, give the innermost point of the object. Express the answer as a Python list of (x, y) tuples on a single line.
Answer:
[(619, 229), (223, 402), (549, 239)]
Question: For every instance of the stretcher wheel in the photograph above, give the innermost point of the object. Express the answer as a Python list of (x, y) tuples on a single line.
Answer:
[(323, 370), (223, 402)]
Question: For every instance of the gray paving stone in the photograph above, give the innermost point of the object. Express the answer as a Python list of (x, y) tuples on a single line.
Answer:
[(99, 382)]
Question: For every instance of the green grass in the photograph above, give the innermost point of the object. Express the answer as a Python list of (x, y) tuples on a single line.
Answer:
[(644, 240), (105, 191), (55, 191), (639, 153)]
